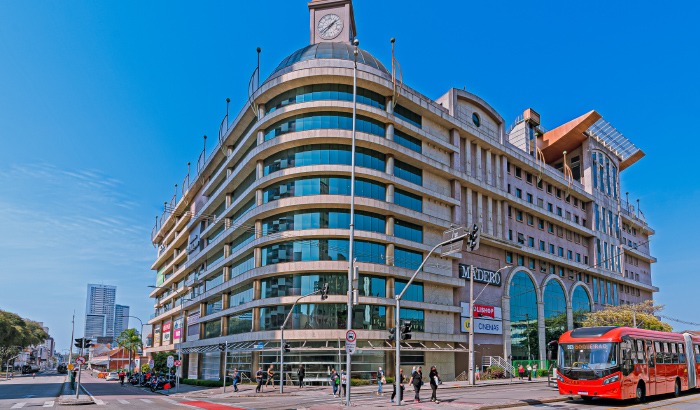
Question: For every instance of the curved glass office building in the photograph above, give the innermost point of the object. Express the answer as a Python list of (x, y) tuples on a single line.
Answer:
[(266, 219)]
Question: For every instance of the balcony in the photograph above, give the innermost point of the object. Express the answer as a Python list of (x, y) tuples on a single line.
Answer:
[(628, 211)]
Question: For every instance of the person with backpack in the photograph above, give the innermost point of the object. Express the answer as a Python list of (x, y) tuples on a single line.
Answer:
[(401, 380), (335, 382), (417, 382), (236, 379), (259, 379), (301, 373), (380, 381), (434, 380)]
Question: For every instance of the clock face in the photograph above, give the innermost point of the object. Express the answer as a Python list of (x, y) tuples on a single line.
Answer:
[(330, 26)]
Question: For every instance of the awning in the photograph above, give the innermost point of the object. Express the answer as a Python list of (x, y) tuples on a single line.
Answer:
[(270, 346)]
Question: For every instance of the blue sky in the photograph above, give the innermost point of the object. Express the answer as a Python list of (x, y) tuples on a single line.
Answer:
[(102, 104)]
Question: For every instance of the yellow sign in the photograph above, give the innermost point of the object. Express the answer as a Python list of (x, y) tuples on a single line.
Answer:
[(71, 366)]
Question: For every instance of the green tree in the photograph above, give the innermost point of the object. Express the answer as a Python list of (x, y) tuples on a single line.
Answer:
[(160, 361), (17, 333), (624, 315), (130, 340)]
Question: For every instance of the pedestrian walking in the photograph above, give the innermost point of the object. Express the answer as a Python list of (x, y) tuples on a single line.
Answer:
[(521, 371), (413, 371), (400, 381), (301, 373), (434, 381), (344, 382), (529, 372), (335, 382), (121, 377), (270, 376), (380, 381), (259, 379), (236, 376), (417, 382), (534, 370)]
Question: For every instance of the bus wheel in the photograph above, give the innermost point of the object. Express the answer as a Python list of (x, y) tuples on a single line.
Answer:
[(587, 398), (677, 388), (641, 393)]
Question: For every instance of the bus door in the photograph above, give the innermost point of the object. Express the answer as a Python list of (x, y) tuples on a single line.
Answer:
[(690, 360), (651, 366)]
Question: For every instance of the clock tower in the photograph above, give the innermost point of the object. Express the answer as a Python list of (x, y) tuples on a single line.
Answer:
[(331, 21)]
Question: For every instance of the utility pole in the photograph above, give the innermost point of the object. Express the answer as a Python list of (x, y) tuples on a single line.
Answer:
[(471, 324), (72, 334)]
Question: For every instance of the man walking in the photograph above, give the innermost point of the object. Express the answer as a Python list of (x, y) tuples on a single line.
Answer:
[(335, 382), (259, 379), (380, 381), (301, 373), (417, 382), (236, 379), (270, 376), (400, 382)]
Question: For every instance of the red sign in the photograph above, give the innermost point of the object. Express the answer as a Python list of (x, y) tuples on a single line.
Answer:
[(178, 363), (166, 327), (80, 360), (483, 311)]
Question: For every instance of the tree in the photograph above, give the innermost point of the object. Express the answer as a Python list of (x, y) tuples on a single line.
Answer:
[(130, 340), (160, 361), (17, 333), (624, 315)]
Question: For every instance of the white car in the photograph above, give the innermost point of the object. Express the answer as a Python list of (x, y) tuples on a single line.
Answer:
[(112, 376)]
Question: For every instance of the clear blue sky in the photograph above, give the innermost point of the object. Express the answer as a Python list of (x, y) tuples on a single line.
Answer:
[(102, 104)]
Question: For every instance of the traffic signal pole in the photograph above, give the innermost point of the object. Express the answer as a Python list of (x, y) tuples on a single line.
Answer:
[(80, 368)]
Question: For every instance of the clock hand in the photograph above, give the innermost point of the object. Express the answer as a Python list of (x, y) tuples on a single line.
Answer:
[(328, 27)]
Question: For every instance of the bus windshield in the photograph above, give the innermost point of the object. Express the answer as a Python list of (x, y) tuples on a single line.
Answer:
[(591, 356)]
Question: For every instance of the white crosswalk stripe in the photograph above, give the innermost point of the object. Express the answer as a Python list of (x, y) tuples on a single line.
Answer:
[(18, 405), (48, 404), (146, 401), (169, 400), (100, 402), (123, 401)]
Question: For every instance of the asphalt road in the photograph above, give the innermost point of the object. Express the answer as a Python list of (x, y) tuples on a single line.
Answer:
[(687, 401), (27, 391)]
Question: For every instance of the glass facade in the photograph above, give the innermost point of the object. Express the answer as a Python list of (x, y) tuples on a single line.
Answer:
[(212, 329), (323, 186), (414, 292), (320, 92), (324, 120), (523, 318), (408, 116), (303, 284), (324, 154), (408, 231), (580, 304), (408, 200), (371, 286), (555, 320), (240, 295), (407, 141), (240, 323), (408, 259), (417, 318), (408, 172), (322, 250), (323, 219)]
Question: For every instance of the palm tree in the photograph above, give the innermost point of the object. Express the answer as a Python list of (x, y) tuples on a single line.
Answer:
[(130, 340)]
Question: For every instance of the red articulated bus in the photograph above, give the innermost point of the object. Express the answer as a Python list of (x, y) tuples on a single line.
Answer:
[(626, 363)]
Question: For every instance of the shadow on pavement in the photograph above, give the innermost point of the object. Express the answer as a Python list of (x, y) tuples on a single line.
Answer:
[(26, 387)]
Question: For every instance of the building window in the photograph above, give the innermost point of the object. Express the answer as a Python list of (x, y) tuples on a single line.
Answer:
[(408, 231), (408, 116), (321, 250), (323, 186), (324, 120), (322, 154), (415, 316), (414, 292), (212, 329), (476, 120), (303, 284), (530, 220), (407, 141), (528, 178), (408, 200), (240, 323), (322, 219), (540, 223), (509, 257), (408, 172), (529, 197), (319, 92), (518, 193), (518, 215), (408, 259), (551, 248), (542, 245), (373, 286), (531, 241), (523, 308), (521, 260), (560, 252), (518, 172)]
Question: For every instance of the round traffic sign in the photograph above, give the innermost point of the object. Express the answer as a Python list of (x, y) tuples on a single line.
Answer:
[(80, 360), (178, 363), (350, 336)]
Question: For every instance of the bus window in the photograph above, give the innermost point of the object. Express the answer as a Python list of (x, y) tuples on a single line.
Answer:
[(697, 353), (674, 354), (666, 355), (640, 352), (681, 353), (626, 357), (650, 353), (659, 352)]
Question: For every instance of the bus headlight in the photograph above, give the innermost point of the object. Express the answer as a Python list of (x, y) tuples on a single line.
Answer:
[(611, 379), (561, 379)]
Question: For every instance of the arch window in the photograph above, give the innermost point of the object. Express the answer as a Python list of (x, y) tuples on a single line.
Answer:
[(523, 317), (554, 311), (581, 305)]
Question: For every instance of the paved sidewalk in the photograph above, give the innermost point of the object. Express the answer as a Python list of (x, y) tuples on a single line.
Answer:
[(67, 395)]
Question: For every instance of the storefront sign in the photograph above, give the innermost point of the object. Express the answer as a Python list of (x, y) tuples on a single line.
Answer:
[(482, 326), (156, 335), (482, 311), (166, 332), (177, 330), (481, 275)]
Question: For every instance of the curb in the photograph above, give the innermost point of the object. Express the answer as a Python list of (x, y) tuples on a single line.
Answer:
[(72, 401)]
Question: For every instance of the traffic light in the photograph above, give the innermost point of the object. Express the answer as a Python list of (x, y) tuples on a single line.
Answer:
[(392, 334), (79, 343), (287, 348), (473, 241), (406, 330), (324, 291)]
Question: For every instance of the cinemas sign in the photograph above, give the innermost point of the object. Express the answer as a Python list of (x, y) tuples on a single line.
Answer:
[(481, 275)]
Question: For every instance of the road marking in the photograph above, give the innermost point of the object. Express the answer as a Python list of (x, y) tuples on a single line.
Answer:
[(146, 401), (48, 404), (123, 401), (18, 406), (99, 402), (169, 400), (209, 405)]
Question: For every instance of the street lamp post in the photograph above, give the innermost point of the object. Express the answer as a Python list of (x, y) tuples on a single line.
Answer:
[(324, 295), (140, 338)]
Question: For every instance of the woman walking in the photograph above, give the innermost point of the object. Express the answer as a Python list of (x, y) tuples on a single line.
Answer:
[(521, 371), (529, 372), (301, 373), (417, 382), (434, 379), (400, 380)]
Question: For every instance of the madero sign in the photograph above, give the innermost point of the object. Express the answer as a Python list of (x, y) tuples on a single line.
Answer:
[(481, 275)]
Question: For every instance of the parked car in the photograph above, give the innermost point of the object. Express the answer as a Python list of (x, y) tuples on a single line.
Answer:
[(112, 376)]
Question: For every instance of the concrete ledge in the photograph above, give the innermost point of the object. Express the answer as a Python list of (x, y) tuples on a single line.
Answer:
[(66, 397)]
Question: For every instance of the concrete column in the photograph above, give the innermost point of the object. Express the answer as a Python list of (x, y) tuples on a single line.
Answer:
[(261, 137), (497, 166), (227, 250), (227, 270), (479, 170), (389, 132), (258, 197), (224, 326), (480, 209), (457, 209), (505, 310), (455, 158), (489, 171), (390, 193), (569, 317), (229, 200), (390, 164), (470, 208), (542, 344), (389, 105), (259, 169), (390, 225), (390, 254), (261, 111), (499, 219), (504, 181), (468, 157), (489, 219), (256, 320), (258, 228), (257, 256), (506, 220), (257, 289)]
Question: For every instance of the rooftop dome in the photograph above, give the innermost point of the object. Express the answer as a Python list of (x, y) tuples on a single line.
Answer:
[(339, 51)]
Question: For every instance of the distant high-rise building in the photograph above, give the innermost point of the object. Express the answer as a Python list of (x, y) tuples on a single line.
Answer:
[(121, 319), (100, 311)]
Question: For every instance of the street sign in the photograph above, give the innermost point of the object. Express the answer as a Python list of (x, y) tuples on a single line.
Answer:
[(151, 363), (71, 366), (351, 336), (178, 363), (137, 363), (350, 347), (80, 360), (171, 361)]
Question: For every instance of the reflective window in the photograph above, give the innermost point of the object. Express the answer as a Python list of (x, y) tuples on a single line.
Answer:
[(240, 323), (323, 219), (243, 265), (405, 258), (324, 120), (414, 292), (580, 304), (372, 286), (405, 140), (554, 311), (303, 284), (408, 231), (214, 281), (408, 172), (212, 329), (322, 250), (320, 154), (523, 308), (318, 92), (323, 186), (213, 306), (241, 241), (243, 185), (408, 200), (408, 116), (323, 316), (241, 295), (416, 317)]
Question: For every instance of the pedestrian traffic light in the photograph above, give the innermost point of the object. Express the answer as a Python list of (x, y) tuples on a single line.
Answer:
[(287, 348), (324, 291), (392, 334), (474, 237), (406, 330)]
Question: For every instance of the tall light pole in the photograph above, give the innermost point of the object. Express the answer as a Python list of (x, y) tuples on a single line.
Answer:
[(351, 250), (324, 295), (472, 300), (140, 338)]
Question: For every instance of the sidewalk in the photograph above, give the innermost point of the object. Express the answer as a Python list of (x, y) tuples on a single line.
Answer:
[(67, 395)]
